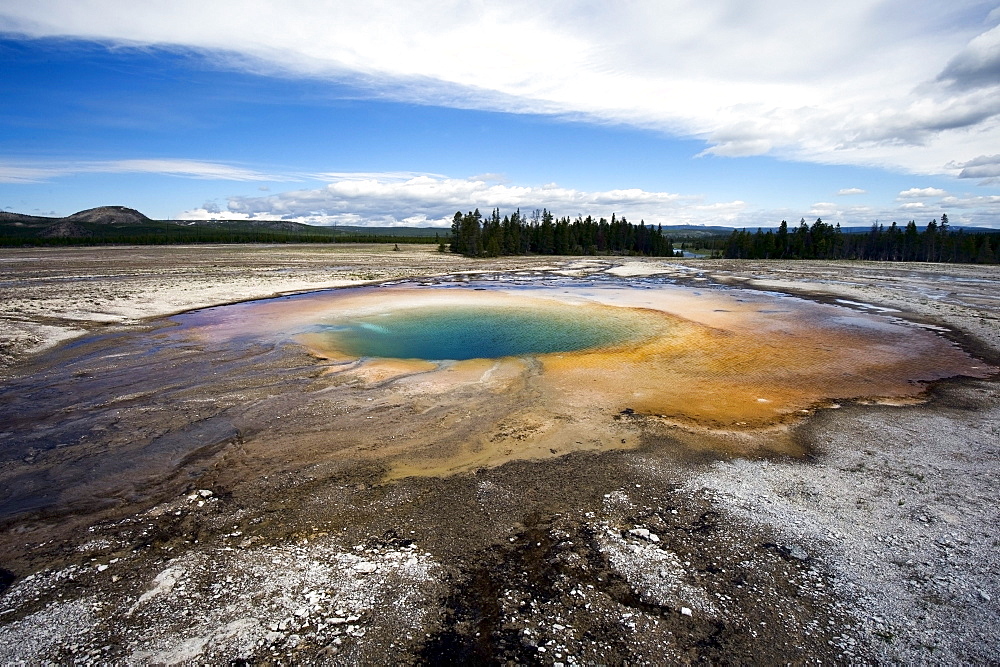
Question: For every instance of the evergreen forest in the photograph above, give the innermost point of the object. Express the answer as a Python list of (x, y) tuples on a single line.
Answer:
[(936, 243), (542, 234)]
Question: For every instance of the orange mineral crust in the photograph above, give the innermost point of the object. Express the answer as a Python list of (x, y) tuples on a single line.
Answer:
[(736, 368)]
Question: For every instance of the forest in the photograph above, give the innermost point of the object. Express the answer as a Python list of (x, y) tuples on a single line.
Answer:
[(938, 242), (206, 236), (542, 234)]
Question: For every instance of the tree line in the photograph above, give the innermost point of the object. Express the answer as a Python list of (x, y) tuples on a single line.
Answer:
[(542, 233), (935, 243), (207, 236)]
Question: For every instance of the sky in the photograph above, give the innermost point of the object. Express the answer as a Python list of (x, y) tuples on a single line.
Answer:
[(708, 112)]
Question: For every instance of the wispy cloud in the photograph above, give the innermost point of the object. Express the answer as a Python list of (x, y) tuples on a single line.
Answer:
[(851, 191), (745, 77), (38, 172)]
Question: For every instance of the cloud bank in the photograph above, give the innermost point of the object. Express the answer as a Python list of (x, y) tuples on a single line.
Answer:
[(395, 199), (405, 199), (912, 86)]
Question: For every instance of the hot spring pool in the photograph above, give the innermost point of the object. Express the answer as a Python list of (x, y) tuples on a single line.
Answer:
[(481, 332)]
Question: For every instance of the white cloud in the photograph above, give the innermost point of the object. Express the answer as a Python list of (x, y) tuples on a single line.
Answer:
[(990, 203), (12, 173), (432, 200), (917, 193), (851, 191), (408, 199), (39, 172), (986, 167), (910, 86), (824, 209)]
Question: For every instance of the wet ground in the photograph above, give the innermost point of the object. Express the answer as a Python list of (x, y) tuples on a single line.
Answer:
[(198, 501)]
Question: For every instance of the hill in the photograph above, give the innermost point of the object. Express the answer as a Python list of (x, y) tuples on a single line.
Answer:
[(120, 224)]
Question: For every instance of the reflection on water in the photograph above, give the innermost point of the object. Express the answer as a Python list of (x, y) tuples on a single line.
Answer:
[(432, 379)]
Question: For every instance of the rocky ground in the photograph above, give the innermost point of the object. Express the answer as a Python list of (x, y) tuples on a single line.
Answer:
[(879, 546)]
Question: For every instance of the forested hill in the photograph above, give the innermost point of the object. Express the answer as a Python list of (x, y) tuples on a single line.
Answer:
[(122, 225), (543, 234), (935, 243)]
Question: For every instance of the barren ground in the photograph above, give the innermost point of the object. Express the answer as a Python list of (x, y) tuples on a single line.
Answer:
[(879, 545)]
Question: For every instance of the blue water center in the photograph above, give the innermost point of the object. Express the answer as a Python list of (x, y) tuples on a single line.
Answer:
[(478, 332)]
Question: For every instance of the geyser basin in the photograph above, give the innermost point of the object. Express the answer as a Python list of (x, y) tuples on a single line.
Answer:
[(291, 384), (464, 332), (438, 378), (716, 359)]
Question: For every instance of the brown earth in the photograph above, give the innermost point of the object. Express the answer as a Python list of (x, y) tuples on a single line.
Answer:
[(149, 519)]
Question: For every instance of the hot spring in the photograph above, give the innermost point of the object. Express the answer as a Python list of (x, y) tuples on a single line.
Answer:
[(428, 379), (461, 332), (706, 359)]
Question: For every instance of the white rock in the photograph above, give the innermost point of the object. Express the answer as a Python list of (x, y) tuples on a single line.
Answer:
[(685, 611), (364, 567), (205, 493)]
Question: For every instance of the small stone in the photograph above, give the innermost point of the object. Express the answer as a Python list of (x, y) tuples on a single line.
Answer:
[(205, 493), (338, 620), (795, 551), (984, 595), (364, 567), (686, 612)]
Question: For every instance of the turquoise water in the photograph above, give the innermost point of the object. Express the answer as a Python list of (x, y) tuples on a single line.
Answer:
[(477, 332)]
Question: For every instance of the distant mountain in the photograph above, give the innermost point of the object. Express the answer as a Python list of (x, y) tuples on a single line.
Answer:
[(109, 215), (123, 225)]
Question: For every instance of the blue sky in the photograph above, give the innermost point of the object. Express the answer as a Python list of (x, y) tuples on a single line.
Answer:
[(675, 112)]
